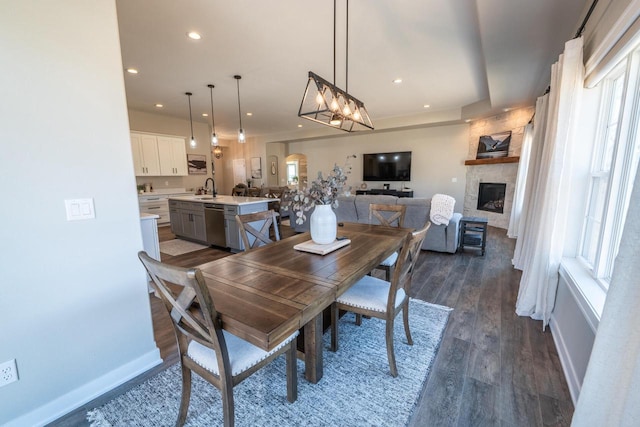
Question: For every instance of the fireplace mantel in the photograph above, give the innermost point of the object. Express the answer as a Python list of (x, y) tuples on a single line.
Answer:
[(473, 162)]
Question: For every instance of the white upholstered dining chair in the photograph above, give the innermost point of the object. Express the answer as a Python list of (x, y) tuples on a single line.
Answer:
[(390, 216), (223, 359), (381, 299)]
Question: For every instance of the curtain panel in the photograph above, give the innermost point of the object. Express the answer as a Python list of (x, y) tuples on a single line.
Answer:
[(521, 181), (549, 207)]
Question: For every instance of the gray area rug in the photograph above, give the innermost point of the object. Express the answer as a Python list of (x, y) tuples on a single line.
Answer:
[(178, 247), (356, 389)]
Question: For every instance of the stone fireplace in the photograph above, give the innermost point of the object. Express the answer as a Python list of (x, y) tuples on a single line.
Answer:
[(482, 197)]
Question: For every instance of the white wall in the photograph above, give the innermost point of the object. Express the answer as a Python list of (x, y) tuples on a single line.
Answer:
[(74, 307), (438, 155), (572, 333)]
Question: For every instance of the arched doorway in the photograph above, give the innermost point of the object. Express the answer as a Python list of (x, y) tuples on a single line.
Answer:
[(296, 170)]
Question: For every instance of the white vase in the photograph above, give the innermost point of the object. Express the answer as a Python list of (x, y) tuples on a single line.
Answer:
[(323, 225)]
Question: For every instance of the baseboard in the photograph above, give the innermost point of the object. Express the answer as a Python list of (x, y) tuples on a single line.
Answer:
[(86, 393), (573, 382)]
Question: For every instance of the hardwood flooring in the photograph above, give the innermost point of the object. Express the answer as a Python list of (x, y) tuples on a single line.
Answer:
[(493, 368)]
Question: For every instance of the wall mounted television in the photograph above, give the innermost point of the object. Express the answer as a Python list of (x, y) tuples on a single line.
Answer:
[(387, 166)]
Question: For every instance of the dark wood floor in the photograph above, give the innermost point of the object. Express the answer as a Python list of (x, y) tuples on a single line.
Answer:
[(493, 367)]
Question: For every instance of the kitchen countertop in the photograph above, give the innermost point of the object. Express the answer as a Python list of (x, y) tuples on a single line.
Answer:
[(224, 200), (146, 216)]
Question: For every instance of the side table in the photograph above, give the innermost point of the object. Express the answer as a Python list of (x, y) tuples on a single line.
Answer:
[(473, 233)]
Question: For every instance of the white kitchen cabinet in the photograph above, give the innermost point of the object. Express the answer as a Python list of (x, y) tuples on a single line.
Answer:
[(146, 160), (150, 241), (173, 156)]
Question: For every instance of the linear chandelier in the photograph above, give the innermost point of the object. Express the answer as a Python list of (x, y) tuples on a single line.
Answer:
[(323, 102)]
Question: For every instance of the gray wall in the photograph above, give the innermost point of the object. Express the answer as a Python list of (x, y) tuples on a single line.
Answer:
[(74, 306), (438, 155)]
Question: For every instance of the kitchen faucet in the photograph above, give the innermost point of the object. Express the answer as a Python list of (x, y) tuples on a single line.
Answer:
[(213, 186)]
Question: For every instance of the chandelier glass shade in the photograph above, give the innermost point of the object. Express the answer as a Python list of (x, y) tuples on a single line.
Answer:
[(217, 152), (325, 103)]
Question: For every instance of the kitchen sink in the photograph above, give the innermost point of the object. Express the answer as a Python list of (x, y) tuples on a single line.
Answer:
[(205, 198)]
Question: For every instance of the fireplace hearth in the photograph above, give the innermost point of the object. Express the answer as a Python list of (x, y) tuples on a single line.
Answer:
[(491, 197)]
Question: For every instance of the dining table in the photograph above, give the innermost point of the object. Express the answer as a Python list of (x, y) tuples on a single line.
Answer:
[(266, 294)]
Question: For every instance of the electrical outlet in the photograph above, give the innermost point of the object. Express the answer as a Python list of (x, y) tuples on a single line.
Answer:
[(8, 372)]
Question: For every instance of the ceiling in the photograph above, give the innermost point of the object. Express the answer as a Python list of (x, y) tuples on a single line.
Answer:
[(463, 58)]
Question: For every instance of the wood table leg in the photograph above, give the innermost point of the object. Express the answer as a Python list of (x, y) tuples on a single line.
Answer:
[(313, 349)]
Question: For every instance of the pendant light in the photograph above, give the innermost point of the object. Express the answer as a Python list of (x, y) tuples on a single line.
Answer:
[(217, 151), (241, 135), (323, 102), (193, 140), (214, 137)]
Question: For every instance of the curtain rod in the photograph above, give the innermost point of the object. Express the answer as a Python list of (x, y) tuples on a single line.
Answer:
[(586, 18), (579, 32)]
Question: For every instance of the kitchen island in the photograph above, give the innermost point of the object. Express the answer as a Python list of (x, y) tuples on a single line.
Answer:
[(211, 220)]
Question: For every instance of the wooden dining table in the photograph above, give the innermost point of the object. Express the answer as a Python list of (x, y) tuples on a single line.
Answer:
[(266, 294)]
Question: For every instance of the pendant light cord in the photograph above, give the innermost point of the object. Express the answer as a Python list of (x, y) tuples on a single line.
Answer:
[(190, 118), (239, 112), (334, 42), (213, 120), (346, 73)]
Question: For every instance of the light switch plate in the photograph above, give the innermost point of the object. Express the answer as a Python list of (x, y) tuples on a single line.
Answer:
[(79, 209)]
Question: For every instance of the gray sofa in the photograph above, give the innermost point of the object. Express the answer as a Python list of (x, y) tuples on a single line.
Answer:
[(440, 238)]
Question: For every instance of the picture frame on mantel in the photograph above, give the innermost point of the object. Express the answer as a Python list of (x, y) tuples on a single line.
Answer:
[(494, 145), (197, 164)]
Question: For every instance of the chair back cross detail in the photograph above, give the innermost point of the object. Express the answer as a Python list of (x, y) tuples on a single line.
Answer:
[(389, 215), (262, 236)]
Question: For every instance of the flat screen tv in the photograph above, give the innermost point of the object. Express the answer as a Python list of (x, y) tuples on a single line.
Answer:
[(387, 166)]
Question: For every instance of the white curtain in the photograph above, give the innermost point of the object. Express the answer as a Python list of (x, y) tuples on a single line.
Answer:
[(521, 181), (549, 206), (528, 219), (610, 394)]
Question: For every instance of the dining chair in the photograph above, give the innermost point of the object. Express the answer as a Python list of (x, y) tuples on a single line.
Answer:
[(381, 299), (390, 216), (223, 359), (262, 236), (253, 192), (239, 190)]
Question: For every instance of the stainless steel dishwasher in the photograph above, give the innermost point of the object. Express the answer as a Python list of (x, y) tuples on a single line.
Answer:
[(214, 220)]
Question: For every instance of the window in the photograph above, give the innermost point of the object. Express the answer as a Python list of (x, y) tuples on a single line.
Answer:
[(292, 172), (613, 168)]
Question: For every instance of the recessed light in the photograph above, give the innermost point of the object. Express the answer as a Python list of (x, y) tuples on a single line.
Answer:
[(249, 114), (299, 126), (205, 115), (506, 109), (159, 105), (397, 81), (467, 120), (426, 105), (132, 71), (193, 35)]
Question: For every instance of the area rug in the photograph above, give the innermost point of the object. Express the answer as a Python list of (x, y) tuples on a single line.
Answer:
[(178, 247), (356, 389)]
